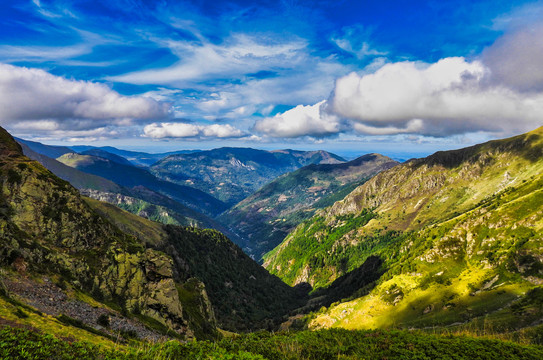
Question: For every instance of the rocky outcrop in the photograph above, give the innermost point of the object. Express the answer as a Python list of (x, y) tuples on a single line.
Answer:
[(45, 227)]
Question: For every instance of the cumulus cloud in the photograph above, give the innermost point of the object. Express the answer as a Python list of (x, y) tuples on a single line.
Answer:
[(312, 120), (499, 93), (187, 130), (33, 98), (451, 96)]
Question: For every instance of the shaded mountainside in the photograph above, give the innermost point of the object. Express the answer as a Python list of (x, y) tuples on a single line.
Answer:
[(97, 256), (107, 155), (231, 174), (51, 151), (138, 158), (47, 230), (244, 295), (459, 236), (265, 218), (78, 179), (131, 176)]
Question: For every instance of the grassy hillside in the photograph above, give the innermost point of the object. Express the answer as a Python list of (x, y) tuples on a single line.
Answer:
[(458, 235), (323, 345), (265, 218), (231, 174)]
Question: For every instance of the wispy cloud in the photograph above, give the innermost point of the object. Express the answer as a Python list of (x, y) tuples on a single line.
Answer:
[(236, 57), (356, 41)]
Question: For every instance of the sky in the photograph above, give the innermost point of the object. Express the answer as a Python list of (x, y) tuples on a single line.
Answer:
[(344, 76)]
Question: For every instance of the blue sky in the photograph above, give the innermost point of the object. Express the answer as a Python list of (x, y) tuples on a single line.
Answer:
[(345, 76)]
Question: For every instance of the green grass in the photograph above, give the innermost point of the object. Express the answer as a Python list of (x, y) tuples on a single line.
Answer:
[(319, 345)]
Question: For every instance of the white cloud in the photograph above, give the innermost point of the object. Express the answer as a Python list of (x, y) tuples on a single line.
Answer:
[(449, 97), (35, 99), (311, 120), (243, 71), (452, 96), (185, 130), (50, 131), (355, 40), (412, 126), (499, 94)]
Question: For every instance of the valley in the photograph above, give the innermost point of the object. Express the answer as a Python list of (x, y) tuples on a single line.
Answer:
[(132, 251)]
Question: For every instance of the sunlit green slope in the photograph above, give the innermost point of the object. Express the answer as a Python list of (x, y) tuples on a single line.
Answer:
[(458, 235)]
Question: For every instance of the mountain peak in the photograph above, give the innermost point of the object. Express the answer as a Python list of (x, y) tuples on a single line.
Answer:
[(8, 145)]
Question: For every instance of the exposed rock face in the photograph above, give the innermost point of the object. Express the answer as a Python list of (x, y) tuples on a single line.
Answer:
[(46, 227), (144, 280)]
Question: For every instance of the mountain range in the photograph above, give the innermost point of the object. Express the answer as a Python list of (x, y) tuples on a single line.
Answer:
[(450, 242), (231, 174), (58, 242)]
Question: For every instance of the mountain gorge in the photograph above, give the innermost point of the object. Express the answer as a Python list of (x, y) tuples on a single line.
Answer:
[(449, 242), (265, 218)]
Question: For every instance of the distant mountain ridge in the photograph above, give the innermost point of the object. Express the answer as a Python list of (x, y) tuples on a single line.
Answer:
[(51, 151), (131, 176), (138, 158), (138, 200), (267, 216), (231, 174)]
